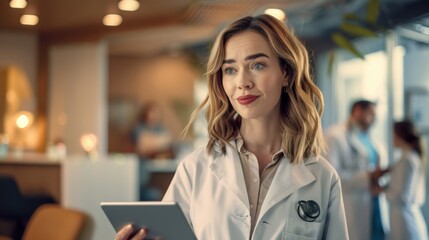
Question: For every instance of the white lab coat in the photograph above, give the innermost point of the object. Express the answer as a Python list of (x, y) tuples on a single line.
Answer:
[(406, 194), (211, 191), (350, 158)]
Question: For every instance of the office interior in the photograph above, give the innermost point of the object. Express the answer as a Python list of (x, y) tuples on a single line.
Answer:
[(71, 88)]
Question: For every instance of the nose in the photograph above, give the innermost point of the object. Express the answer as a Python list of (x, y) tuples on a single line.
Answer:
[(244, 81)]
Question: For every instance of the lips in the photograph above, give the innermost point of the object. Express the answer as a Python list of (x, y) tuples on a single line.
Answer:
[(247, 99)]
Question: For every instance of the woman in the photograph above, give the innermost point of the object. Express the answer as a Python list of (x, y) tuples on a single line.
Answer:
[(406, 191), (152, 140), (260, 176)]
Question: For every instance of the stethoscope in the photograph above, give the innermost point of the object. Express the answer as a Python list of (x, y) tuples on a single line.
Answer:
[(308, 210)]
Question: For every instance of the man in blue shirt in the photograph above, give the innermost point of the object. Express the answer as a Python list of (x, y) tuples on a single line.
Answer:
[(356, 155)]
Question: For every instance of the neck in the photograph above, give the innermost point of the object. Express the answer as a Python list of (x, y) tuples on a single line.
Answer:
[(356, 125), (405, 147), (262, 136)]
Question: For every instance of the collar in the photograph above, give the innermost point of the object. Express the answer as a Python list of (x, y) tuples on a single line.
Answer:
[(239, 141)]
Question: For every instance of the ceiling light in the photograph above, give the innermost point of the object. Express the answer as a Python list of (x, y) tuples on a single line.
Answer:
[(277, 13), (112, 20), (128, 5), (18, 3), (27, 19)]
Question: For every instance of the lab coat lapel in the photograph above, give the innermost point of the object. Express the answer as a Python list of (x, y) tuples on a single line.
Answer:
[(227, 169), (287, 180)]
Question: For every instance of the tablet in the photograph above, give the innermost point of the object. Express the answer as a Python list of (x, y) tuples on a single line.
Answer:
[(162, 219)]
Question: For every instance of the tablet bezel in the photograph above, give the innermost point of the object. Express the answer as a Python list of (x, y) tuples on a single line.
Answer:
[(162, 219)]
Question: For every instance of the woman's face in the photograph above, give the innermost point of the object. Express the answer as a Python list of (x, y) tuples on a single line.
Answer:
[(154, 115), (251, 76)]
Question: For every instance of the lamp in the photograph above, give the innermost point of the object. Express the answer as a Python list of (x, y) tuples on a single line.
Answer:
[(88, 142), (23, 122), (24, 119)]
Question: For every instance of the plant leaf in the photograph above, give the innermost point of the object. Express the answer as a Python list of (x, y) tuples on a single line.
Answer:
[(343, 42), (331, 58), (357, 30), (372, 11), (350, 16)]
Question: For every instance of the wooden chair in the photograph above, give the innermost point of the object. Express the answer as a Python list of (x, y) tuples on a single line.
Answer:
[(53, 222)]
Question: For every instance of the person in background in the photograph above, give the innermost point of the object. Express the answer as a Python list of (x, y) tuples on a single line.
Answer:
[(406, 190), (152, 141), (261, 175), (357, 156)]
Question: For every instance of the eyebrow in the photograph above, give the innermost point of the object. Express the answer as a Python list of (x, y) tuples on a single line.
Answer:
[(250, 57)]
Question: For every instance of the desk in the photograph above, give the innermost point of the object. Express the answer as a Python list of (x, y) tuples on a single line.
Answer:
[(35, 174)]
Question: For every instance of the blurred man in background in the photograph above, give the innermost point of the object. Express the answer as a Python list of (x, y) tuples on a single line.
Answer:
[(356, 156)]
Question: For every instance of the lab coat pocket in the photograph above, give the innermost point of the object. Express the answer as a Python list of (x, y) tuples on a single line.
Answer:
[(298, 229)]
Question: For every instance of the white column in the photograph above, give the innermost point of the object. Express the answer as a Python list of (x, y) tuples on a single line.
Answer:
[(77, 94)]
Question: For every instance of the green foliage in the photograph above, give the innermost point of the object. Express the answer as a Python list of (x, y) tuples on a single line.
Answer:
[(372, 11), (331, 57), (343, 42), (357, 30), (355, 26)]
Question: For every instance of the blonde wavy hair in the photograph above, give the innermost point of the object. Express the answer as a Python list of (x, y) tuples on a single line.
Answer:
[(301, 104)]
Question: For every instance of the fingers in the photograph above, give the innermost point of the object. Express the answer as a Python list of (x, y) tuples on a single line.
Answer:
[(140, 235), (125, 233)]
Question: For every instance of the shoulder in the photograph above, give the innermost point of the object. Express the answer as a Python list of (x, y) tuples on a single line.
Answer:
[(321, 168), (413, 160), (197, 158)]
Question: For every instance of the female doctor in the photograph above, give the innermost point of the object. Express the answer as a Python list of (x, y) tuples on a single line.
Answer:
[(261, 175), (406, 190)]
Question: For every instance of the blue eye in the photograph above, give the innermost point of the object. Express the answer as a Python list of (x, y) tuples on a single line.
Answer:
[(229, 71), (258, 66)]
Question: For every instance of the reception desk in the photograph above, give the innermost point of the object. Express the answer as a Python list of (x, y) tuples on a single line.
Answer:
[(35, 174)]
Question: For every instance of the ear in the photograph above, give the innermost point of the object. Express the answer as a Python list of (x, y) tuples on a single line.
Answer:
[(285, 84), (285, 79)]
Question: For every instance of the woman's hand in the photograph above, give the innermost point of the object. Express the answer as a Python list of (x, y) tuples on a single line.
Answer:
[(131, 233)]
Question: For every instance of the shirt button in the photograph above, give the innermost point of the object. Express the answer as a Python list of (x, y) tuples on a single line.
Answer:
[(255, 179), (251, 205)]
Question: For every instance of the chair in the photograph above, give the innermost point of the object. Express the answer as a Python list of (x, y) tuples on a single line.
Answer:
[(51, 222), (17, 208)]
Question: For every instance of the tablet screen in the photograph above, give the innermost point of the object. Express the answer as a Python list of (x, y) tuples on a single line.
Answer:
[(162, 219)]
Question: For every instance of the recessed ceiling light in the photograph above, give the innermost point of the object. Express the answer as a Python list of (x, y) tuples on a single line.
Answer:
[(27, 19), (112, 20), (277, 13), (128, 5), (18, 3)]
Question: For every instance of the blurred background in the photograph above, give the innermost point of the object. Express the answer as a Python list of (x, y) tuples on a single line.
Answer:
[(77, 78)]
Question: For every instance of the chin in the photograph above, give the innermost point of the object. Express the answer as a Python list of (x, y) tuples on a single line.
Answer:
[(248, 116)]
